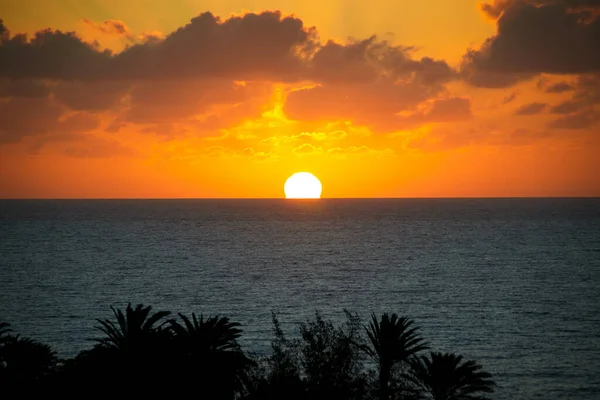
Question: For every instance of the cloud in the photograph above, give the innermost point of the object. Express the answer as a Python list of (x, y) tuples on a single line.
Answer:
[(110, 27), (252, 46), (82, 145), (533, 37), (579, 120), (201, 105), (52, 55), (442, 110), (21, 117), (374, 105), (510, 98), (345, 152), (582, 105), (29, 88), (249, 46), (368, 60), (89, 146), (567, 107), (307, 149), (557, 87), (367, 82), (187, 80), (531, 109), (448, 137), (306, 137), (259, 156), (90, 96)]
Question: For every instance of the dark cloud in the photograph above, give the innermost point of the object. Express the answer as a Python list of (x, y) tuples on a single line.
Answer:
[(51, 54), (370, 59), (497, 7), (90, 96), (585, 97), (587, 89), (4, 33), (21, 117), (252, 46), (189, 75), (579, 120), (567, 107), (548, 86), (531, 109), (554, 36), (367, 82), (29, 88), (249, 47), (472, 74), (581, 111), (559, 87)]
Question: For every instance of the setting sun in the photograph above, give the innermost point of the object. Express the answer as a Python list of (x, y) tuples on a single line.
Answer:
[(302, 185)]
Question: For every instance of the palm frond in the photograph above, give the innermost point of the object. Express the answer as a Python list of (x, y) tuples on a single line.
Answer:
[(447, 376)]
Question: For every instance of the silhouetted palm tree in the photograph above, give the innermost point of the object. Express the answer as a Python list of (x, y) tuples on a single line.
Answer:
[(392, 340), (209, 350), (135, 348), (24, 362), (211, 334), (134, 328), (447, 377), (4, 330)]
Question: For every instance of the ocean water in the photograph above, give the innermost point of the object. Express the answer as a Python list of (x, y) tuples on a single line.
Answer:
[(511, 283)]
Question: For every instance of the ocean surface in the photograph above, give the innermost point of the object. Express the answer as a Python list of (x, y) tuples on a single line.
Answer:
[(511, 283)]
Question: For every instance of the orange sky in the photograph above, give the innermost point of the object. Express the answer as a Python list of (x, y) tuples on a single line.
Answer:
[(107, 99)]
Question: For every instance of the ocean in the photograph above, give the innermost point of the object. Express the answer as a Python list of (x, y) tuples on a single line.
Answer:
[(511, 283)]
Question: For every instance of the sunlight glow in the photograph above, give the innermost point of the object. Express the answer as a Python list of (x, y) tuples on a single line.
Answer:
[(303, 185)]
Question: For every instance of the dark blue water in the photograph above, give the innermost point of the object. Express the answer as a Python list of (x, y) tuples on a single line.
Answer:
[(513, 284)]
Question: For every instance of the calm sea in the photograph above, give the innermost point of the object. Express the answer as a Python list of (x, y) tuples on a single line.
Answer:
[(511, 283)]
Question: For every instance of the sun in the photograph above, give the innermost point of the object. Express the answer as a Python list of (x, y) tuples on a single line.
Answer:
[(302, 185)]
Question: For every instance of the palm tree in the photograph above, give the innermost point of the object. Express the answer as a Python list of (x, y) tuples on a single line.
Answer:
[(135, 348), (447, 377), (134, 328), (392, 340), (210, 334), (208, 349), (4, 329), (25, 361)]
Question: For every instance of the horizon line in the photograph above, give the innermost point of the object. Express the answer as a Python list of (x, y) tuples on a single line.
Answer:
[(283, 198)]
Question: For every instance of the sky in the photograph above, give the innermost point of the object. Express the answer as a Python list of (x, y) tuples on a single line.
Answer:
[(228, 98)]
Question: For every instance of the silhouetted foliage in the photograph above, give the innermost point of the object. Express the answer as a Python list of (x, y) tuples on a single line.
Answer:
[(278, 376), (135, 329), (447, 377), (331, 359), (24, 363), (143, 354), (4, 330), (136, 347), (392, 340), (207, 351)]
